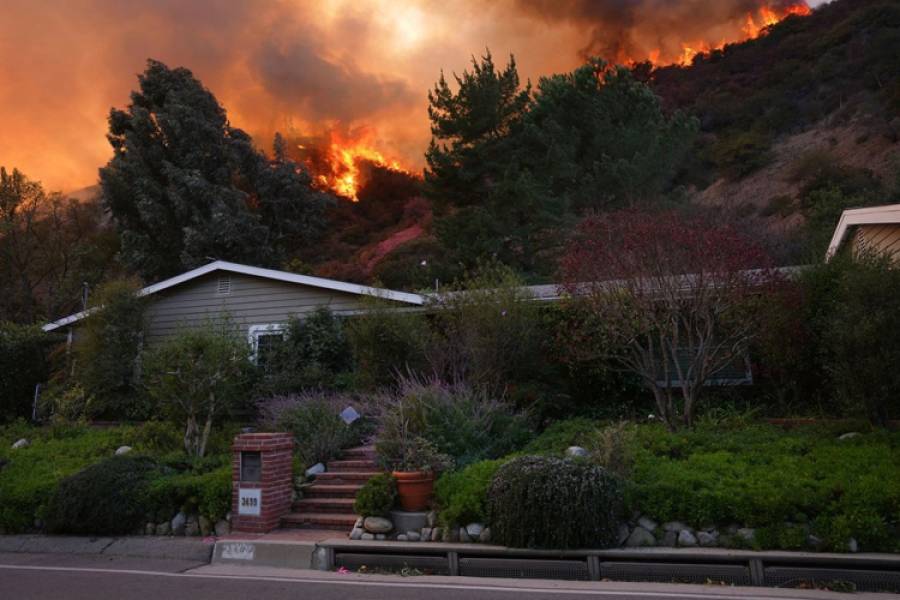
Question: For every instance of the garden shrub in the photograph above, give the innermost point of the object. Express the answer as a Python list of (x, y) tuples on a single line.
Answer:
[(315, 354), (461, 496), (107, 352), (313, 418), (546, 502), (377, 496), (562, 434), (23, 364), (194, 487), (106, 498), (30, 475), (611, 448), (157, 437), (460, 421)]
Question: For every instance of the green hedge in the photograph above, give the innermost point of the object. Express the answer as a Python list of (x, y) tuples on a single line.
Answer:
[(764, 477), (462, 495)]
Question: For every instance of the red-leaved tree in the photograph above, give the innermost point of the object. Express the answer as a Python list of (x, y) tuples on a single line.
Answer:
[(669, 297)]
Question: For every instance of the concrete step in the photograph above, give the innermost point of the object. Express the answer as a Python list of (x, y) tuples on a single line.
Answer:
[(323, 505), (358, 453), (319, 520), (351, 465), (346, 476), (332, 490)]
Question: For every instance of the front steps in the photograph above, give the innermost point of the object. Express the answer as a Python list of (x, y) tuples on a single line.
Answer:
[(328, 502)]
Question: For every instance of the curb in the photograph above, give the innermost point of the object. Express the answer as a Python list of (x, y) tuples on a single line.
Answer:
[(129, 546), (269, 553)]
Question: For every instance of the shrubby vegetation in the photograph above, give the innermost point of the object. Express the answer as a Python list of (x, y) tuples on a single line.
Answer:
[(377, 496), (544, 502), (461, 496), (24, 354)]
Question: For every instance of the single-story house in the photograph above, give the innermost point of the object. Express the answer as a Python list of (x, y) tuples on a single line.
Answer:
[(873, 229), (259, 302)]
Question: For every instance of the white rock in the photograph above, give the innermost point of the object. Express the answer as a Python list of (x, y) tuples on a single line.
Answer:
[(377, 525), (747, 533), (464, 535), (368, 537), (852, 545), (179, 522), (402, 538), (426, 533), (413, 536), (436, 534), (686, 538), (640, 537), (315, 469), (356, 533), (648, 524), (431, 519), (222, 528), (708, 538), (848, 436), (623, 533), (485, 536), (123, 450), (474, 530), (22, 443), (576, 452), (380, 537)]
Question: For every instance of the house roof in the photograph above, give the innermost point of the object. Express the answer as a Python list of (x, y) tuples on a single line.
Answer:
[(873, 215), (272, 274)]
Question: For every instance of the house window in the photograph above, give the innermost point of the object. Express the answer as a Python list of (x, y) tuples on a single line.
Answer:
[(264, 342), (224, 286)]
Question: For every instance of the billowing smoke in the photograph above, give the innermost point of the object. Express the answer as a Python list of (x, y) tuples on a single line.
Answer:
[(298, 67), (660, 30)]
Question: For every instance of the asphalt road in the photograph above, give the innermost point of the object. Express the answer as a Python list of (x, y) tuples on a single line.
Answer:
[(74, 577)]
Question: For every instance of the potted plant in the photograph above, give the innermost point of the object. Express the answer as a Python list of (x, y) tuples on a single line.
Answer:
[(413, 461)]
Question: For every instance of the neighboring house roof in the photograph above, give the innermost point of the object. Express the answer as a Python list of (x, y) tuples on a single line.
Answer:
[(873, 215), (221, 265)]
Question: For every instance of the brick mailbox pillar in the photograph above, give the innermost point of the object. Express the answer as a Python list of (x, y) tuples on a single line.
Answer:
[(261, 480)]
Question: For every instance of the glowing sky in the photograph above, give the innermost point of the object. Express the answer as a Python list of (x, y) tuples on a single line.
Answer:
[(281, 65)]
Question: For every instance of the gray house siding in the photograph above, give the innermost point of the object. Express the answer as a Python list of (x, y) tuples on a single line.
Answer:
[(250, 301)]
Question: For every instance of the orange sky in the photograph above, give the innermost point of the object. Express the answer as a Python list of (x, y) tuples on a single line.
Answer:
[(291, 65)]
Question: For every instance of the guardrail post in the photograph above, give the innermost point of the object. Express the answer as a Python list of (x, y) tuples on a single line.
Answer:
[(453, 563), (593, 564), (757, 572)]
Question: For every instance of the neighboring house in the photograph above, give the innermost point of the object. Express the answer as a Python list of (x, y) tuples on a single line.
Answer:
[(259, 302), (873, 230)]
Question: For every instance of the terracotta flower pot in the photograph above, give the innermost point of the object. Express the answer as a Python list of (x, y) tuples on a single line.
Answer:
[(414, 488)]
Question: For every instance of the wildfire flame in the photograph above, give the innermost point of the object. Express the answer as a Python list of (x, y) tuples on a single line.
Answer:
[(337, 160), (754, 25)]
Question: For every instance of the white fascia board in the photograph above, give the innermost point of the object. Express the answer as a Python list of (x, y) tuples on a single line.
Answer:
[(873, 215), (221, 265)]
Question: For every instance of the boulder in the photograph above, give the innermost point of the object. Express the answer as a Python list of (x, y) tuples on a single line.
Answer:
[(367, 537), (192, 528), (848, 436), (150, 529), (426, 533), (356, 533), (708, 539), (485, 537), (464, 536), (748, 534), (413, 536), (164, 528), (402, 538), (380, 537), (648, 524), (22, 443), (669, 539), (686, 538), (576, 452), (431, 519), (814, 542), (675, 526), (436, 534), (640, 537), (206, 526), (315, 469), (179, 522), (359, 522), (474, 530), (222, 528), (852, 545), (623, 533), (377, 525), (123, 450)]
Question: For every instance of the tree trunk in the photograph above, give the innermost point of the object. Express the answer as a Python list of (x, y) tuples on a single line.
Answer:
[(190, 435)]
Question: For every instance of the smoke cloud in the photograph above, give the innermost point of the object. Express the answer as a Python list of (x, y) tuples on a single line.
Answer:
[(293, 66)]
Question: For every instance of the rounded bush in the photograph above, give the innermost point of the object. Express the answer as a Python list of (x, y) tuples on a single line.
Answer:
[(377, 496), (109, 497), (545, 502)]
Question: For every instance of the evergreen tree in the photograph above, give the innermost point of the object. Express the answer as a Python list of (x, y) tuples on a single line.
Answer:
[(184, 186)]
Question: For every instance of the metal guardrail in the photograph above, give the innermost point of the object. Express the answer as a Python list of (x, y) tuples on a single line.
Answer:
[(863, 572)]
